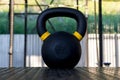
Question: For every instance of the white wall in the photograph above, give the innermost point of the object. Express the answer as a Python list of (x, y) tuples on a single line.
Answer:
[(111, 46), (4, 49)]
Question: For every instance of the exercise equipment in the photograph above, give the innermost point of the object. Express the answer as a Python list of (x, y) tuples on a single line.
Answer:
[(61, 49)]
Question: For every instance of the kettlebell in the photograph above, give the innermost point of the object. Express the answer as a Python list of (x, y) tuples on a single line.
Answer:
[(61, 50)]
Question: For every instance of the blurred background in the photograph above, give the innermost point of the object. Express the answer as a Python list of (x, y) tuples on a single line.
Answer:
[(26, 42)]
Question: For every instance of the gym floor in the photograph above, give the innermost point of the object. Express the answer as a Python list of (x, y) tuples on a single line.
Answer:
[(78, 73)]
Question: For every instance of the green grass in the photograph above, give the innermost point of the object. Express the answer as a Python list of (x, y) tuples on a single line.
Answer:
[(111, 19)]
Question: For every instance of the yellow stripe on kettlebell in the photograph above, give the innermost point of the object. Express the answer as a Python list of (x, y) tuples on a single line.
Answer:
[(45, 35), (77, 35)]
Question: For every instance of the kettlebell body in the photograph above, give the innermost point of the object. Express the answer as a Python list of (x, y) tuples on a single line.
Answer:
[(61, 50)]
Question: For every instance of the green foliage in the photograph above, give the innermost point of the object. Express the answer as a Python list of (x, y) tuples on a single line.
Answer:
[(61, 24), (3, 23), (18, 25), (110, 23), (111, 18)]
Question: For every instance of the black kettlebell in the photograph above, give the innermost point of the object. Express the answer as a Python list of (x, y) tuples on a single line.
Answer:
[(61, 49)]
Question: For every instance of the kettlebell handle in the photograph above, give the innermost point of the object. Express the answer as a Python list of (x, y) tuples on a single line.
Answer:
[(61, 12)]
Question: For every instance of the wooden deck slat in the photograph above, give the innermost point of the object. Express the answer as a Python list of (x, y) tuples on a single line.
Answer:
[(3, 69), (53, 74), (59, 74), (12, 73), (7, 70), (100, 73), (84, 74), (88, 74), (19, 74), (108, 72), (113, 72), (37, 76), (29, 74)]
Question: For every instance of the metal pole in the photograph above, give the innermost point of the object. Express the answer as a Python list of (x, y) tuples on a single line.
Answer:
[(96, 31), (11, 25), (25, 34), (100, 34), (116, 51), (77, 3), (86, 14)]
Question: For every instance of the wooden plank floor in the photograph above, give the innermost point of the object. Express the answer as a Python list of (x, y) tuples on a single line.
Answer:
[(57, 74)]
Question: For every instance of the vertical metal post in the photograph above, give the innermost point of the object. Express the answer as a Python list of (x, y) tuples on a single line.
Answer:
[(77, 3), (11, 25), (96, 31), (86, 14), (116, 51), (25, 34), (100, 34)]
